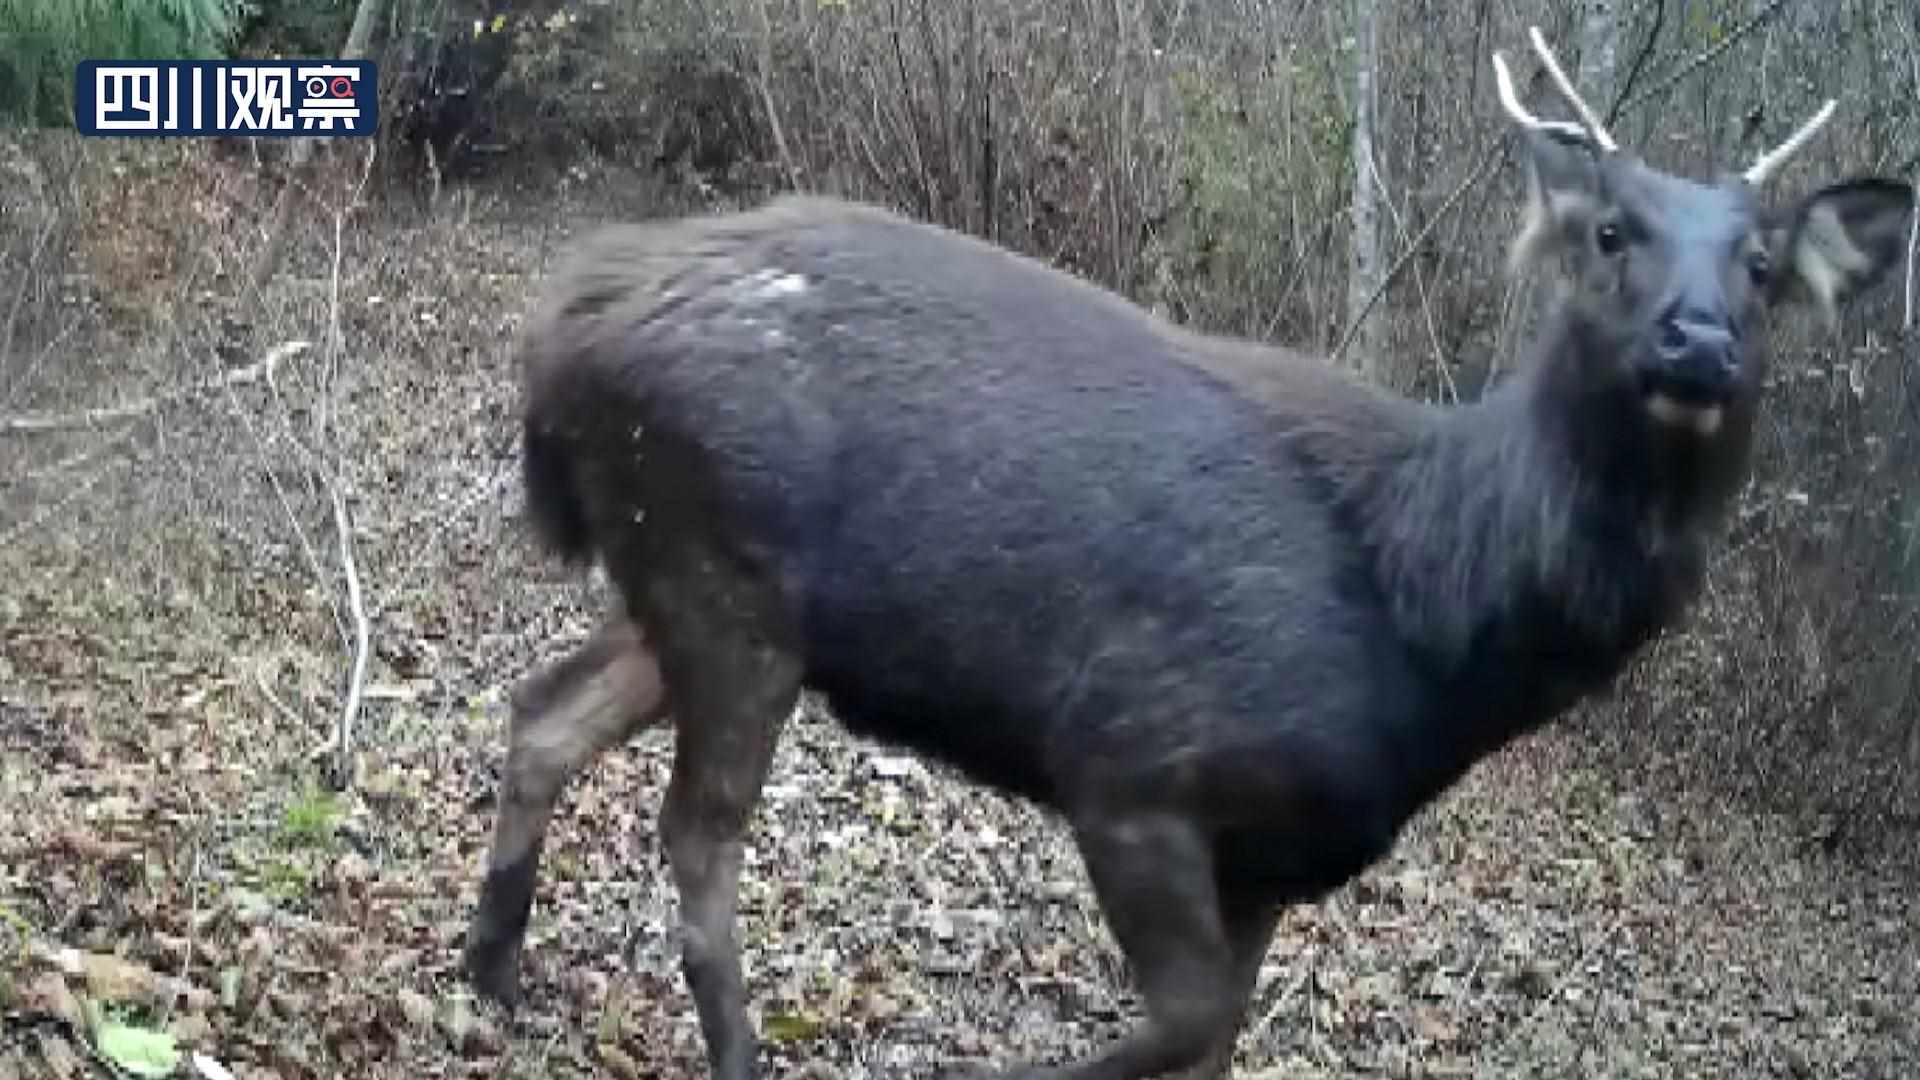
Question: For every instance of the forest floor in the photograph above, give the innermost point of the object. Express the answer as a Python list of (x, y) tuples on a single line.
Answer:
[(171, 863)]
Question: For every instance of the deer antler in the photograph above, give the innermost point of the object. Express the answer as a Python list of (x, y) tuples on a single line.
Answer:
[(1599, 134), (1587, 129), (1770, 162)]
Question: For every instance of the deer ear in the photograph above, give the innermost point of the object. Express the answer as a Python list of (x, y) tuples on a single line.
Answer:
[(1563, 193), (1839, 241)]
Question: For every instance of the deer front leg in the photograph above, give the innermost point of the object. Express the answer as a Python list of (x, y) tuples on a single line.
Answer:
[(1153, 873)]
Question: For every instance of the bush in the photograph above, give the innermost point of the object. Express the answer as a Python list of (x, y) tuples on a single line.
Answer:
[(42, 40)]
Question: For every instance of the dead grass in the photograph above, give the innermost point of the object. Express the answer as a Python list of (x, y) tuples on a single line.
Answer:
[(169, 658)]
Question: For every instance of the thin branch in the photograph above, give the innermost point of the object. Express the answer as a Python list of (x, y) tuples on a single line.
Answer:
[(1760, 18), (71, 494), (91, 418), (1620, 98), (1488, 155), (27, 276), (362, 637), (1913, 252), (762, 80), (342, 523), (1419, 280)]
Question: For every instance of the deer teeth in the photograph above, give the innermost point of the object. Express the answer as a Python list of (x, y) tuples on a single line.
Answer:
[(1704, 419)]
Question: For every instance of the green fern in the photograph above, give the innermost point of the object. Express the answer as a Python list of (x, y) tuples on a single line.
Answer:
[(41, 41)]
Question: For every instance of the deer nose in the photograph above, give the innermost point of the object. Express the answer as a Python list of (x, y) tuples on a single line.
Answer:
[(1697, 358)]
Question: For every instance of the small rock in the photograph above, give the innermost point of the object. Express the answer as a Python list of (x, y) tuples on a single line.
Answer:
[(250, 907), (617, 1062), (398, 961), (208, 1069), (466, 1030), (61, 1058), (351, 869), (191, 1029), (49, 995), (416, 1007)]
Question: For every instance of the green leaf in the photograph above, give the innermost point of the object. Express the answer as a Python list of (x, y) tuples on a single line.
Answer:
[(790, 1027), (138, 1051)]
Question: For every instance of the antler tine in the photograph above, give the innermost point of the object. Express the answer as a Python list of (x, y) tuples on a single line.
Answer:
[(1770, 162), (1503, 81), (1599, 134)]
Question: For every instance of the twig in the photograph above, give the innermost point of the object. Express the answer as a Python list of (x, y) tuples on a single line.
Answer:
[(1487, 157), (1621, 98), (26, 277), (1913, 251), (72, 493), (266, 691), (342, 523), (1759, 19), (362, 634), (763, 74), (193, 915), (1419, 282), (91, 418)]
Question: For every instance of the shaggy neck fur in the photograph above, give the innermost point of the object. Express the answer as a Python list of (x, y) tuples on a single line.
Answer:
[(1528, 544)]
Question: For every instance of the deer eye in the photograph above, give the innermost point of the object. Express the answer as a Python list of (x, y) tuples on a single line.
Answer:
[(1760, 268), (1609, 239)]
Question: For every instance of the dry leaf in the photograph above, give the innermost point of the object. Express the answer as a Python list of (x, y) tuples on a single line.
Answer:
[(111, 978), (617, 1062)]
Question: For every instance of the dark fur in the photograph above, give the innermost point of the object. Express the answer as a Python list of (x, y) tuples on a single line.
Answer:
[(1002, 496), (1217, 605)]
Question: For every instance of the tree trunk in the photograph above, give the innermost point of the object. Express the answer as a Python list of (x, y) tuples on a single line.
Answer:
[(1363, 277), (267, 263), (1599, 48)]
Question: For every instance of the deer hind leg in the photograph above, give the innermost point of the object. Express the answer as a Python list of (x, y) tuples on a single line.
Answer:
[(735, 678), (564, 715), (1154, 876)]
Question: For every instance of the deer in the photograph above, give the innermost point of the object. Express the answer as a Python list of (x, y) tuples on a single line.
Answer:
[(1225, 611)]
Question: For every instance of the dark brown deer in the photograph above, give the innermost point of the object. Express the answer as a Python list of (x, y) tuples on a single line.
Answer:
[(1232, 615)]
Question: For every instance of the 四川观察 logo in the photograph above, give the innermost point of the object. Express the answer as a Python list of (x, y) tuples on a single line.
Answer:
[(309, 98)]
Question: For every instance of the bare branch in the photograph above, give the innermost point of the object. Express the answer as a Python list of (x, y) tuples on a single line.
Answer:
[(1488, 156), (362, 636), (134, 409), (1913, 252)]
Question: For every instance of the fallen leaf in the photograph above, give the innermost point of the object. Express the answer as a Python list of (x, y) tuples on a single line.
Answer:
[(138, 1051), (111, 978), (790, 1027), (617, 1062)]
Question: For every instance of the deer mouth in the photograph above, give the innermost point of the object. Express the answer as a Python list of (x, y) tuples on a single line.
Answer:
[(1700, 417), (1686, 403)]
